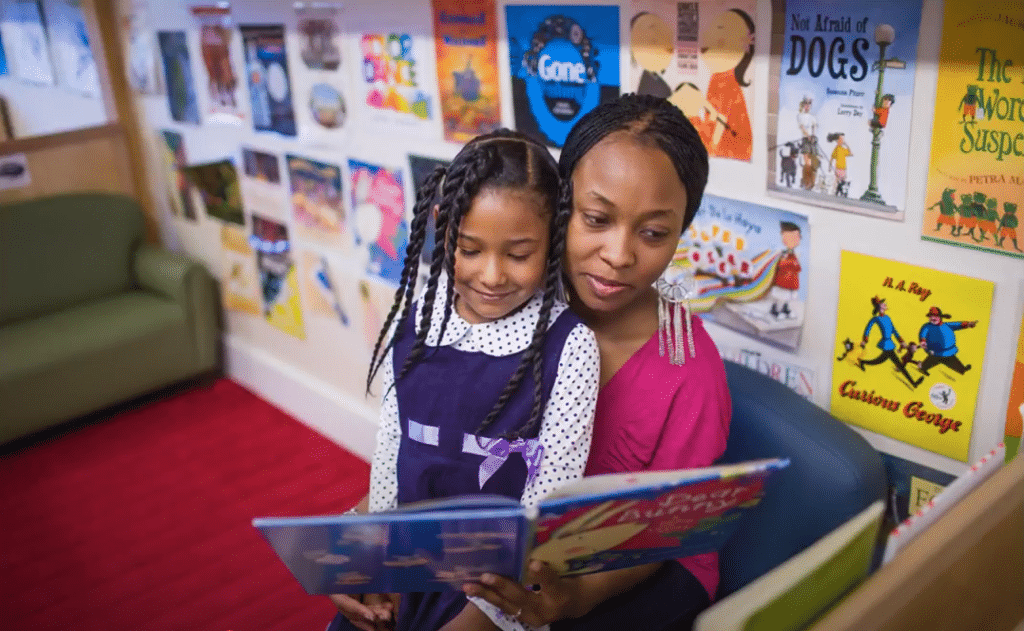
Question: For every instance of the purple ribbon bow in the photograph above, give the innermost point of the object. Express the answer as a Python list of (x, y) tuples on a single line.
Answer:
[(500, 449)]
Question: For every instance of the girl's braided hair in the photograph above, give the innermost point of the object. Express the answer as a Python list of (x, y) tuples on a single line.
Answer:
[(501, 160)]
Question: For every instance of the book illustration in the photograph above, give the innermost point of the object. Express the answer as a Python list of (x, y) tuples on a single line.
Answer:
[(215, 31), (327, 106), (421, 167), (144, 73), (564, 62), (316, 201), (72, 50), (380, 228), (976, 165), (179, 191), (322, 288), (749, 267), (266, 67), (594, 524), (318, 26), (29, 47), (1015, 402), (181, 87), (279, 286), (919, 338), (465, 36), (262, 191), (697, 55), (240, 288), (217, 183), (843, 82)]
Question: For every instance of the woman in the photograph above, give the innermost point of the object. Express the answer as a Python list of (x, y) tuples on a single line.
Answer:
[(634, 171)]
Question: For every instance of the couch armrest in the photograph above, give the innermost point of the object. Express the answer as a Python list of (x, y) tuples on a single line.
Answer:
[(188, 283)]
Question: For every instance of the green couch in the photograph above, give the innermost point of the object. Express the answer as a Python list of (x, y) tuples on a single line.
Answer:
[(90, 315)]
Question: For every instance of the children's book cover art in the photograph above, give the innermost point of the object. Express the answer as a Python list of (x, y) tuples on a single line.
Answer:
[(266, 68), (179, 191), (976, 169), (910, 347), (181, 86), (320, 33), (279, 283), (421, 168), (1015, 404), (322, 285), (240, 287), (29, 45), (841, 103), (747, 266), (262, 190), (564, 62), (215, 30), (72, 49), (698, 55), (142, 65), (375, 300), (317, 202), (321, 105), (465, 35), (217, 183), (378, 209)]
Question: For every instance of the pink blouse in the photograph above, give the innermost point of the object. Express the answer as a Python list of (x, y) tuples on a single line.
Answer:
[(654, 416)]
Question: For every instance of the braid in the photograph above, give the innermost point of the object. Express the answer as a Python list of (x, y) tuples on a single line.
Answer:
[(428, 296)]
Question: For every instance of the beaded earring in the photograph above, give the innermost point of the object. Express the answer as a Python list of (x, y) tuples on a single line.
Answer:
[(675, 288)]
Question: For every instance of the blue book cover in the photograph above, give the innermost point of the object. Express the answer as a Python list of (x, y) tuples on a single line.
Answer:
[(595, 524)]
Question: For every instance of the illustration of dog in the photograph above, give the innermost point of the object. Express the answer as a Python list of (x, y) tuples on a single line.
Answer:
[(788, 174)]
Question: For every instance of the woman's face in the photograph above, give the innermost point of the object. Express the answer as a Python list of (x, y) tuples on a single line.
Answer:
[(628, 209), (725, 42)]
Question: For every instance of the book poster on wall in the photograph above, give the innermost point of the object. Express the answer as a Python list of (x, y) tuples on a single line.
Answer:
[(181, 87), (465, 35), (266, 71), (279, 283), (840, 105), (375, 300), (1015, 404), (29, 47), (316, 202), (240, 287), (215, 30), (421, 167), (910, 346), (564, 62), (217, 184), (698, 55), (976, 169), (72, 51), (378, 209), (262, 190), (321, 108), (747, 266), (142, 65), (323, 287), (179, 192)]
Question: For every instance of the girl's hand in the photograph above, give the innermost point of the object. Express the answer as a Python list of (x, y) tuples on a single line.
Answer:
[(368, 612), (553, 601)]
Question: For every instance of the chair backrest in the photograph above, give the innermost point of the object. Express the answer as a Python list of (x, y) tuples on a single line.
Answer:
[(833, 474)]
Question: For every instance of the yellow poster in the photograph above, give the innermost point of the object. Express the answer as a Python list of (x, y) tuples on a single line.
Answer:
[(976, 171), (910, 344), (279, 282), (240, 289), (1015, 407)]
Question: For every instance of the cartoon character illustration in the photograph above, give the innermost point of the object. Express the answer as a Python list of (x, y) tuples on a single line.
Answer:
[(967, 219), (467, 84), (947, 211), (787, 273), (885, 344), (787, 173), (847, 347), (881, 113), (938, 338), (838, 162), (1008, 225), (651, 46), (988, 219), (808, 124), (583, 536), (970, 105), (908, 357)]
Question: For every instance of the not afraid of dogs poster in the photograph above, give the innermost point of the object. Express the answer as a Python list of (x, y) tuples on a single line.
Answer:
[(909, 351)]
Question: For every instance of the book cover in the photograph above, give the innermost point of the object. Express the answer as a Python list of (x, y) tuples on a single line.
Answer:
[(215, 30), (841, 101), (747, 265), (321, 86), (266, 70), (378, 210), (1015, 403), (239, 287), (260, 181), (181, 87), (976, 167), (698, 55), (279, 283), (421, 167), (179, 192), (217, 183), (564, 61), (595, 524), (909, 351), (317, 204), (466, 39), (911, 486)]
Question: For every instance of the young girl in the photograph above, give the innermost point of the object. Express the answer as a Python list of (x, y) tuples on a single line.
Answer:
[(489, 380)]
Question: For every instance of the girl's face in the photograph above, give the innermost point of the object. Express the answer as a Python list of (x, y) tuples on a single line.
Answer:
[(628, 210), (725, 42), (501, 253)]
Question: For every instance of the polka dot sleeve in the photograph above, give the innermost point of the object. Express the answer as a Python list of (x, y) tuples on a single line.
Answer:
[(384, 467)]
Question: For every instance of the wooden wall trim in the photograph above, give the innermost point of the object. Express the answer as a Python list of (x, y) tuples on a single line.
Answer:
[(53, 141)]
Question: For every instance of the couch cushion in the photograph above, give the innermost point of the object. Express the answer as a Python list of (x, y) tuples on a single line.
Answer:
[(62, 250)]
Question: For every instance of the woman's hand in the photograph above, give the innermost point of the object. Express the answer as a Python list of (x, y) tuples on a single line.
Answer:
[(553, 601), (369, 612)]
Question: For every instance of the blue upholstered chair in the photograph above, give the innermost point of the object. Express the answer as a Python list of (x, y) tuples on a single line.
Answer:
[(833, 474)]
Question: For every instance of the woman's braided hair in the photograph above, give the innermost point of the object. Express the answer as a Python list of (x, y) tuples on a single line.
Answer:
[(501, 160)]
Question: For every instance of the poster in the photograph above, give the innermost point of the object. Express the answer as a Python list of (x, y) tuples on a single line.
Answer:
[(909, 351), (1015, 404), (465, 35), (72, 52), (698, 55), (318, 28), (215, 30), (240, 288), (749, 266), (217, 183), (322, 285), (262, 190), (316, 202), (179, 192), (266, 70), (378, 209), (421, 168), (976, 169), (321, 107), (564, 61), (142, 66), (279, 283), (181, 87), (841, 103), (29, 49)]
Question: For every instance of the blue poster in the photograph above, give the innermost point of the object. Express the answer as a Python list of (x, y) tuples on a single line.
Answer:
[(564, 61), (3, 59), (378, 210), (267, 72)]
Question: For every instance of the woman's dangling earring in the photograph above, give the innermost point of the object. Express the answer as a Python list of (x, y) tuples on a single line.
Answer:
[(675, 288)]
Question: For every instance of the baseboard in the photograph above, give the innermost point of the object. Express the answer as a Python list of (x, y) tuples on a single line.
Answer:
[(323, 408)]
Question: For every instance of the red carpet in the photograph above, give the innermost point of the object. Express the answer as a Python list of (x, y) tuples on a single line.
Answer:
[(141, 521)]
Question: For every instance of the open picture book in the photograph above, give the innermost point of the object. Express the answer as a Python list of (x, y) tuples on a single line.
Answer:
[(595, 524)]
